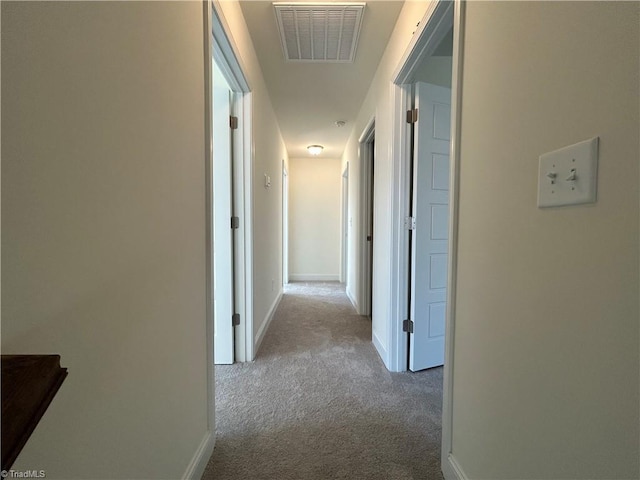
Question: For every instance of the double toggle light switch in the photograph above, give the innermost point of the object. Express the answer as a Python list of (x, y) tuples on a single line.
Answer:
[(568, 176)]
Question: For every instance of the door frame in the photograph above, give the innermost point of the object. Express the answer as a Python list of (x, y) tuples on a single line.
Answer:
[(221, 178), (430, 31), (225, 55), (344, 233), (285, 224), (438, 17), (366, 154), (208, 164)]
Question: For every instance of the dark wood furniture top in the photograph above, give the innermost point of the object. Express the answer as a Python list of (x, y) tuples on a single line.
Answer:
[(29, 383)]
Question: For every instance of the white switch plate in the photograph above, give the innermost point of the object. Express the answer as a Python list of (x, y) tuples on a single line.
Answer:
[(556, 169)]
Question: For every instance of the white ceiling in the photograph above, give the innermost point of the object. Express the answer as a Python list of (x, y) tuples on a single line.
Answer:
[(308, 98)]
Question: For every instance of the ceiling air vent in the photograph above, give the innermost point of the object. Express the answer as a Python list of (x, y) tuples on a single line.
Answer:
[(319, 32)]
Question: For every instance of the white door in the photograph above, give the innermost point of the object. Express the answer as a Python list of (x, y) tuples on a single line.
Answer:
[(431, 234), (223, 344)]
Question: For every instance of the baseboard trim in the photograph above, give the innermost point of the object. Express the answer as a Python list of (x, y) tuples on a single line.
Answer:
[(200, 459), (265, 324), (313, 277), (381, 350), (452, 470), (353, 301)]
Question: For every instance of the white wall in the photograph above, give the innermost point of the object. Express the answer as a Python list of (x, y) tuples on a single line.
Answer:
[(103, 230), (546, 337), (378, 104), (268, 152), (435, 70), (314, 218)]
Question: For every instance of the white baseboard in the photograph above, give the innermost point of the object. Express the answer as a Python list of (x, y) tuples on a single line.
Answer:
[(381, 350), (353, 300), (200, 459), (313, 277), (265, 323), (452, 470)]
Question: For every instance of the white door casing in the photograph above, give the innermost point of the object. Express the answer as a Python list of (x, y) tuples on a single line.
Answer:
[(368, 167), (365, 237), (437, 19), (285, 224), (344, 247), (431, 235), (222, 212)]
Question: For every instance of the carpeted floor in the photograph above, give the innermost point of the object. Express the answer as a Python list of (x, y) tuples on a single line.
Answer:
[(318, 403)]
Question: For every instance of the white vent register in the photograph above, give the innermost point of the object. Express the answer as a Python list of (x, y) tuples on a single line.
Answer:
[(319, 32)]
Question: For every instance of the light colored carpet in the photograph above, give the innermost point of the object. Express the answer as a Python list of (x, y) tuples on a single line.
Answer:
[(318, 403)]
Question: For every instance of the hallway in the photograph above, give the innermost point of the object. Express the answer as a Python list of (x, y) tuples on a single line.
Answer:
[(318, 403)]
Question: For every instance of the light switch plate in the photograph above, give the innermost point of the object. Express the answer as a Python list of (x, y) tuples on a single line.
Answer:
[(568, 176)]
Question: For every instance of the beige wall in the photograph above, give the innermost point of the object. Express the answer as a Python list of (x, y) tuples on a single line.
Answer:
[(103, 230), (546, 352), (314, 218), (268, 153)]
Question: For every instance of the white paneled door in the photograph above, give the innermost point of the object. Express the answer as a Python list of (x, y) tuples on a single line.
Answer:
[(223, 337), (431, 234)]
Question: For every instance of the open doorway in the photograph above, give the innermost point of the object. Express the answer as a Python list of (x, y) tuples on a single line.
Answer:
[(229, 204), (367, 166), (223, 232), (427, 92), (285, 224), (423, 190), (429, 204)]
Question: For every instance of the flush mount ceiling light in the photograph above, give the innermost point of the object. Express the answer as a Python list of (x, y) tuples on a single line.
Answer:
[(319, 32), (315, 149)]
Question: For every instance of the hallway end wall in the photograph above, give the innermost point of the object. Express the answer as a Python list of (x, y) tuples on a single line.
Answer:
[(314, 219), (268, 153)]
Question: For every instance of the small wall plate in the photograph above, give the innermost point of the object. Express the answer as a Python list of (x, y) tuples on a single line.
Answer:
[(568, 176)]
